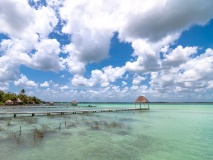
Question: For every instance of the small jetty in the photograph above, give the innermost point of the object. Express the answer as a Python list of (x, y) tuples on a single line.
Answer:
[(73, 111)]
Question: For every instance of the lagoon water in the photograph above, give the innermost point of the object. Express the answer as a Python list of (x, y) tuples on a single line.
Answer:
[(166, 131)]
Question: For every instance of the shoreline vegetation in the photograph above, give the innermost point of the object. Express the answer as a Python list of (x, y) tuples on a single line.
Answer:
[(8, 98)]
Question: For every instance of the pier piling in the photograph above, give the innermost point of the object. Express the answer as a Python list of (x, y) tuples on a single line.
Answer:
[(59, 127), (20, 131)]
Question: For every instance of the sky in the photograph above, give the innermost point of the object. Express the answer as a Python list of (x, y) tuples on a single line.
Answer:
[(106, 50)]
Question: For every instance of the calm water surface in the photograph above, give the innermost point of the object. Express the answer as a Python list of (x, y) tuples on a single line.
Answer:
[(166, 131)]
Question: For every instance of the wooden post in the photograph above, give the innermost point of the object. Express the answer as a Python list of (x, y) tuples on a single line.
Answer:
[(59, 127), (33, 114), (20, 131), (14, 115)]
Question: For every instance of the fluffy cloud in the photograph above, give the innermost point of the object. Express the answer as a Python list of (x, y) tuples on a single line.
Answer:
[(27, 31), (178, 56), (210, 84), (9, 69), (72, 61), (24, 82), (4, 86), (154, 21), (103, 77), (147, 54), (133, 22), (45, 84), (64, 87), (137, 80), (192, 75), (162, 82), (45, 21), (196, 72), (15, 20), (91, 34), (16, 50), (46, 57)]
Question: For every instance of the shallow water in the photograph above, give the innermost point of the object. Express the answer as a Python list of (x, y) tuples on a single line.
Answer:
[(166, 131)]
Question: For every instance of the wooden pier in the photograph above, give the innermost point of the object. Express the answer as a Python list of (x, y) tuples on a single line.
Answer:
[(73, 111)]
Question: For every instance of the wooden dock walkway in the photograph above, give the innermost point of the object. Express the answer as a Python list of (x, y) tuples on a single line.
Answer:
[(73, 111)]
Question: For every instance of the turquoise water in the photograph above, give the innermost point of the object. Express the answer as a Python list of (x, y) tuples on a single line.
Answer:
[(166, 131)]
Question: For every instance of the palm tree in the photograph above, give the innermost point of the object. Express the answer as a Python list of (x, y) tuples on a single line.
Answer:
[(22, 91)]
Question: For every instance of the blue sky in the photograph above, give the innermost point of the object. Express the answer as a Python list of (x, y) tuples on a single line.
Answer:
[(61, 50)]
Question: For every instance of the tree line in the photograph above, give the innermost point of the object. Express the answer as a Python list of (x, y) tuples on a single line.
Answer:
[(21, 96)]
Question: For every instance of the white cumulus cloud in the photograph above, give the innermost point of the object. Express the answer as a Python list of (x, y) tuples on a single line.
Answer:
[(25, 82), (103, 77), (45, 84), (9, 69)]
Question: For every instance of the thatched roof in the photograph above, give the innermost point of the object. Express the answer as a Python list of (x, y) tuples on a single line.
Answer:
[(8, 101), (19, 101), (51, 103), (74, 103), (141, 99)]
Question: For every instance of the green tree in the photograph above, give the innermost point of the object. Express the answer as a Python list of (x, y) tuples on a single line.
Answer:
[(23, 91), (8, 96), (1, 96)]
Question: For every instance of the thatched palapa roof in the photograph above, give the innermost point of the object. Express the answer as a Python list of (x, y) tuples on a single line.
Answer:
[(141, 99), (8, 102), (74, 103), (19, 101)]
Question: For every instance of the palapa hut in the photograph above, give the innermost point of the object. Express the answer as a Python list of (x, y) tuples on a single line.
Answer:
[(51, 103), (19, 101), (74, 103), (142, 99), (8, 102)]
